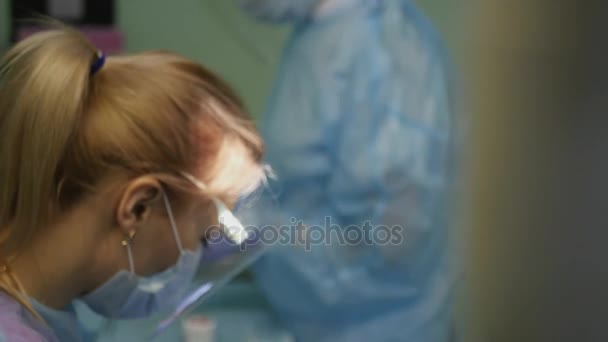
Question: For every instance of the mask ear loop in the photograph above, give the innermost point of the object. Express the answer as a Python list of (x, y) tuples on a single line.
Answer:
[(127, 244), (172, 221)]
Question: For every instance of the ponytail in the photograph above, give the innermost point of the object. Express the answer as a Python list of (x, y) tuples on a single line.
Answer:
[(44, 84)]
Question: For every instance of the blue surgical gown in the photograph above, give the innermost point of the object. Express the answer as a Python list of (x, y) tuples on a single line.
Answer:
[(359, 129)]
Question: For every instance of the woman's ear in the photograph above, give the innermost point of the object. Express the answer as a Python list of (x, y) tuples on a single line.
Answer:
[(137, 201)]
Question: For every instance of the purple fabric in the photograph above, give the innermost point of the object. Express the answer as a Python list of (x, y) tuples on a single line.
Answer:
[(106, 38), (18, 325)]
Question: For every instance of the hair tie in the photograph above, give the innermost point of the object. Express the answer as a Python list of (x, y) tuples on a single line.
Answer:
[(99, 62)]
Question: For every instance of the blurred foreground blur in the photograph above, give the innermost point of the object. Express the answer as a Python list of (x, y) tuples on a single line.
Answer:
[(538, 258)]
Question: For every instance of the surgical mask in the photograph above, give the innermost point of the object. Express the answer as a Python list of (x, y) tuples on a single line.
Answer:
[(127, 295), (279, 11), (226, 255)]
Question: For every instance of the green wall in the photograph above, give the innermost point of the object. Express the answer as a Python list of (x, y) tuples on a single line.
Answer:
[(4, 24), (445, 15), (216, 34), (207, 31)]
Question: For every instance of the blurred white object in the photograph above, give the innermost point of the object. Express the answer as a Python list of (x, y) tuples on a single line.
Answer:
[(198, 328)]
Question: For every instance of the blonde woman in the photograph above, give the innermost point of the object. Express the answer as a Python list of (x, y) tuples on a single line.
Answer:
[(111, 169)]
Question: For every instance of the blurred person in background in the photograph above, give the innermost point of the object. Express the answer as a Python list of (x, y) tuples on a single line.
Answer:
[(359, 130)]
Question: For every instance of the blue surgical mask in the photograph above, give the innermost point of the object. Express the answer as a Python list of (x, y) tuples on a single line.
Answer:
[(127, 295), (279, 11)]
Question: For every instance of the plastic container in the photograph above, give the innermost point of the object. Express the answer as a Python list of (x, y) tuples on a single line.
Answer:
[(198, 328)]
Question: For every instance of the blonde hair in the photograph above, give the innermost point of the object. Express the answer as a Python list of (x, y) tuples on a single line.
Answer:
[(62, 129)]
